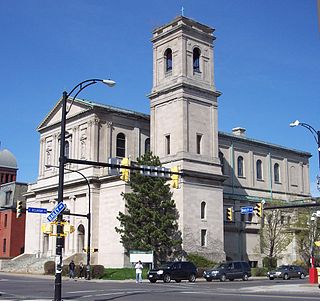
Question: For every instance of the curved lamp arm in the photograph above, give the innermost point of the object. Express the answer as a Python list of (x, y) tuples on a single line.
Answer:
[(85, 84), (312, 130), (316, 136)]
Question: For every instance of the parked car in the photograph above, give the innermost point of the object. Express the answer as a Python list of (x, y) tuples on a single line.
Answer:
[(287, 271), (229, 270), (180, 270)]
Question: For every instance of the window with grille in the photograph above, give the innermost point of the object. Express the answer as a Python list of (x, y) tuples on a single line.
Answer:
[(121, 145), (196, 60)]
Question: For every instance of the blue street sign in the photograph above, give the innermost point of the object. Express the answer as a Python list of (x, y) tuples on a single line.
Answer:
[(56, 211), (246, 210), (37, 210)]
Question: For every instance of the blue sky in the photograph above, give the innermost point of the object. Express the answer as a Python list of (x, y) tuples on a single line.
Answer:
[(267, 64)]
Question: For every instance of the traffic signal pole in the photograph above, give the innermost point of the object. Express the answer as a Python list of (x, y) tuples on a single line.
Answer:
[(59, 239)]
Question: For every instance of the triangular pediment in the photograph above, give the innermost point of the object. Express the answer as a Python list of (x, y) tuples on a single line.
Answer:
[(54, 116)]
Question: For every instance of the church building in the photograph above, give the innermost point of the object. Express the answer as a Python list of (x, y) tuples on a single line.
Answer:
[(221, 170)]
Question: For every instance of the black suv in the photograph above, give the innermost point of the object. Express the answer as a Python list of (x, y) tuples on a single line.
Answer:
[(179, 270), (229, 270)]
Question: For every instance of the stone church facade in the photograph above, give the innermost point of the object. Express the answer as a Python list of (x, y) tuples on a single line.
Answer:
[(220, 169)]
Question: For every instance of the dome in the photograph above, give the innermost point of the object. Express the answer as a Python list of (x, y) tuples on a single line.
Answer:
[(7, 159)]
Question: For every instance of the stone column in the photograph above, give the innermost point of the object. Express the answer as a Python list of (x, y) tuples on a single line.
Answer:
[(41, 156), (109, 140), (215, 149)]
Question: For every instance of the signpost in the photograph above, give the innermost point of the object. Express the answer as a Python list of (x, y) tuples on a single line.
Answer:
[(37, 210), (56, 211), (246, 210)]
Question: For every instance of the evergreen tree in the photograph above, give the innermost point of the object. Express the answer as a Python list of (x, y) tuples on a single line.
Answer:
[(150, 219)]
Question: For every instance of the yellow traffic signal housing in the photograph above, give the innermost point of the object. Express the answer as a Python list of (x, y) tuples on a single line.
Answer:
[(19, 209), (259, 209), (175, 177), (47, 228), (125, 172), (68, 228), (230, 214)]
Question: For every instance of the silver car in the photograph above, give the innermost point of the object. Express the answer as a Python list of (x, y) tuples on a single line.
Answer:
[(287, 271)]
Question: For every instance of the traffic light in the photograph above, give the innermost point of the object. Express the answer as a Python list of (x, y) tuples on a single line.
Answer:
[(230, 214), (47, 228), (19, 209), (259, 209), (125, 173), (68, 228), (174, 177), (113, 170), (154, 171)]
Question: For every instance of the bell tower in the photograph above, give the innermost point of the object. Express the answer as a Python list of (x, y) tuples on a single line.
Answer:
[(184, 129)]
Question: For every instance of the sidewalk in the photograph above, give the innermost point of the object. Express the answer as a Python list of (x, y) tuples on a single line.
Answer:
[(289, 288)]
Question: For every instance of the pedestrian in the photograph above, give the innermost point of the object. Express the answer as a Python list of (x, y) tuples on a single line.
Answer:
[(81, 270), (72, 267), (138, 266)]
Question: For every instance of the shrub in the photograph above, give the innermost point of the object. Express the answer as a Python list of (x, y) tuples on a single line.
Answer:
[(122, 274), (97, 271), (65, 270), (49, 268), (259, 271), (200, 261), (200, 272), (269, 262), (301, 263)]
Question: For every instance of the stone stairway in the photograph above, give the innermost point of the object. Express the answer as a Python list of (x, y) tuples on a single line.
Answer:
[(32, 264), (25, 263)]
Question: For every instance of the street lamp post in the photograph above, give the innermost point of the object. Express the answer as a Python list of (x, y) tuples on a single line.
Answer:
[(89, 225), (316, 136), (89, 221), (88, 217), (62, 162)]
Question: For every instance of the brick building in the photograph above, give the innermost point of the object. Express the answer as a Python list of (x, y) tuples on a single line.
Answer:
[(11, 228)]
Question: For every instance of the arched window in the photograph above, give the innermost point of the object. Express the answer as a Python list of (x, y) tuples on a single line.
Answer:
[(147, 146), (168, 59), (221, 158), (80, 238), (259, 169), (203, 238), (121, 145), (199, 143), (67, 149), (240, 167), (196, 60), (203, 210), (276, 172)]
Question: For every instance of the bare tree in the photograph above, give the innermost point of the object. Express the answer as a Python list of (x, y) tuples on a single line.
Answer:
[(275, 235), (307, 231)]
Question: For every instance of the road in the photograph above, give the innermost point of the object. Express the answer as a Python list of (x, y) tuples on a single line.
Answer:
[(26, 287)]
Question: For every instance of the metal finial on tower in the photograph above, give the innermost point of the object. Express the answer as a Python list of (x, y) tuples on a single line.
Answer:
[(182, 11)]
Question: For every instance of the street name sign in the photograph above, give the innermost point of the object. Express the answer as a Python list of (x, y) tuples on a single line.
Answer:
[(246, 210), (56, 211), (37, 210)]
